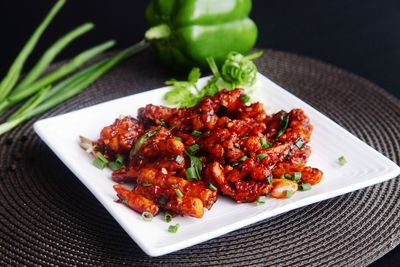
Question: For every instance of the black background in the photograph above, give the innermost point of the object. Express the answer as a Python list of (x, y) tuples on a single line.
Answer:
[(361, 36)]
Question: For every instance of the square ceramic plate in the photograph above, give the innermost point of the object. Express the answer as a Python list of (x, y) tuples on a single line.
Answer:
[(329, 141)]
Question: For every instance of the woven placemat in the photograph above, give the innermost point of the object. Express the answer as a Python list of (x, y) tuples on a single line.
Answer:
[(48, 217)]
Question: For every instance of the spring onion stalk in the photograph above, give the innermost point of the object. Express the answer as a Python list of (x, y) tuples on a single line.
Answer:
[(33, 102), (11, 78), (50, 54), (72, 86), (72, 65)]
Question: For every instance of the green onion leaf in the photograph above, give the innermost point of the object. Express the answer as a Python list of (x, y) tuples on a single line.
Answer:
[(296, 176), (283, 124), (342, 160), (212, 187), (196, 133), (146, 184), (261, 156), (140, 141), (288, 193), (261, 200), (147, 216), (167, 217), (193, 149), (245, 98), (305, 187), (299, 143), (282, 177), (162, 200), (101, 157), (173, 228), (99, 163)]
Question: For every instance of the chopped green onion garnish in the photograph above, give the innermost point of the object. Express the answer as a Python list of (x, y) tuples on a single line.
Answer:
[(261, 200), (288, 193), (101, 157), (305, 187), (179, 159), (261, 156), (178, 193), (299, 143), (147, 216), (196, 133), (146, 184), (288, 176), (162, 201), (140, 141), (342, 160), (193, 149), (245, 98), (173, 228), (167, 217), (282, 177), (163, 124), (99, 163), (264, 143), (296, 176), (284, 124), (172, 127), (114, 166), (212, 187), (178, 138), (120, 160), (242, 158), (191, 174), (234, 164), (269, 179)]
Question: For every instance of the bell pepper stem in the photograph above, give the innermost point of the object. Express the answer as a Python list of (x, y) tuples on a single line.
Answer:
[(161, 31)]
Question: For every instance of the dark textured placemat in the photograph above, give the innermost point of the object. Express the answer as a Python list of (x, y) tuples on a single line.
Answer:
[(48, 217)]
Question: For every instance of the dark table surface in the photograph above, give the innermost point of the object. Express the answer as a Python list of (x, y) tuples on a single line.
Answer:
[(358, 36)]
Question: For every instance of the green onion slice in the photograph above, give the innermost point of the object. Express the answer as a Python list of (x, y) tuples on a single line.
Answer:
[(264, 143), (269, 179), (261, 200), (173, 228), (147, 216), (178, 193), (261, 156), (342, 160), (140, 141), (179, 159), (167, 217), (196, 133), (163, 124), (101, 157), (288, 193), (212, 187), (146, 184), (245, 98), (242, 158), (296, 176), (114, 166), (120, 160), (99, 163), (305, 187), (299, 143), (162, 200), (288, 176), (284, 124)]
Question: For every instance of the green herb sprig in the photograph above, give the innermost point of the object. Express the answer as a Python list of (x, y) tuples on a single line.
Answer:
[(237, 71)]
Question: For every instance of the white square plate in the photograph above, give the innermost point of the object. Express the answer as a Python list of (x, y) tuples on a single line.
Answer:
[(329, 141)]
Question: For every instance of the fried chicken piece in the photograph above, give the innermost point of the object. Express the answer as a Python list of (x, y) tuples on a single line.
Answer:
[(120, 136), (135, 201)]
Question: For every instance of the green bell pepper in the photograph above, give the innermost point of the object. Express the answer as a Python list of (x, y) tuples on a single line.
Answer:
[(186, 32)]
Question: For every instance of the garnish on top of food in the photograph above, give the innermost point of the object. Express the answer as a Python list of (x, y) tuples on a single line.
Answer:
[(180, 160)]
